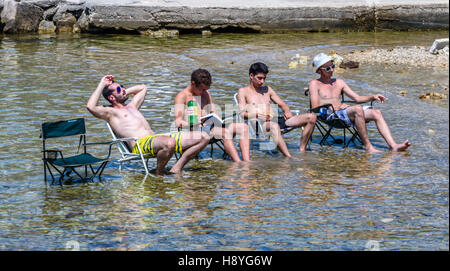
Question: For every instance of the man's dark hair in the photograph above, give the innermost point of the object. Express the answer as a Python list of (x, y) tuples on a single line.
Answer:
[(106, 92), (201, 76), (258, 67)]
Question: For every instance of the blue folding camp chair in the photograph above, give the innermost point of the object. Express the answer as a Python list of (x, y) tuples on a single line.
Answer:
[(326, 126), (53, 158)]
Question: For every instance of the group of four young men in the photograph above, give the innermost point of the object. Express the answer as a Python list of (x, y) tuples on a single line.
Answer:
[(254, 102)]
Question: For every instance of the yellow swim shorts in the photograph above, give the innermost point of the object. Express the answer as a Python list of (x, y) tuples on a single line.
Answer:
[(146, 143)]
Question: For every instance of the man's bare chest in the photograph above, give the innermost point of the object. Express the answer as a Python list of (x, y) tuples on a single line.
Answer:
[(128, 115), (201, 101), (330, 92), (258, 98)]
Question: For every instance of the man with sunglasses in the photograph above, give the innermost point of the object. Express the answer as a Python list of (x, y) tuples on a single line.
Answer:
[(127, 121), (198, 90), (254, 101), (328, 90)]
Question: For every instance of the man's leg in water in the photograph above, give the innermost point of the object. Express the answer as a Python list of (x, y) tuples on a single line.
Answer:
[(192, 143), (163, 147), (227, 137), (356, 114), (227, 134), (241, 129), (306, 120), (275, 131), (377, 116)]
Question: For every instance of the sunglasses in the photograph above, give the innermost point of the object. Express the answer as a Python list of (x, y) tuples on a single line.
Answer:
[(327, 69), (119, 89)]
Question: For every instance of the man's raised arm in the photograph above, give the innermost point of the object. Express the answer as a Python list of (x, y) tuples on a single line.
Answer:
[(139, 93), (96, 110)]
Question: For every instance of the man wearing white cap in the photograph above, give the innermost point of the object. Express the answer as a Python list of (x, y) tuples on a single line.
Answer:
[(327, 90)]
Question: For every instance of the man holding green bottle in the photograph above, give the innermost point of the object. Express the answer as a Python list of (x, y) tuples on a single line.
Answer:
[(198, 101)]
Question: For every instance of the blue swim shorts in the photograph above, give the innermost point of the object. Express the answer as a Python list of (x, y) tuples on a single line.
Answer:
[(342, 115)]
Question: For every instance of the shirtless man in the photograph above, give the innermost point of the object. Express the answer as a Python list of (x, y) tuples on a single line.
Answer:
[(327, 90), (127, 121), (198, 90), (254, 100)]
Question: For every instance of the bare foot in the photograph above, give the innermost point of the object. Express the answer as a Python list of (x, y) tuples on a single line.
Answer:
[(293, 158), (372, 150), (174, 171), (401, 147)]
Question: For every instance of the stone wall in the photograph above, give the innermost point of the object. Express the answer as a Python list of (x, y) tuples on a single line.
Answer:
[(48, 16)]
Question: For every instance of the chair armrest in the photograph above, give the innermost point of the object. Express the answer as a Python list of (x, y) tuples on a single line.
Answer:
[(124, 139), (354, 102), (98, 143), (53, 157), (101, 143)]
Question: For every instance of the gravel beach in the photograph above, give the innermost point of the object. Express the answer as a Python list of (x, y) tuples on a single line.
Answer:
[(410, 56)]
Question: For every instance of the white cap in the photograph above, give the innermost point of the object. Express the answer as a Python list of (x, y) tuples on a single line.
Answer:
[(321, 59)]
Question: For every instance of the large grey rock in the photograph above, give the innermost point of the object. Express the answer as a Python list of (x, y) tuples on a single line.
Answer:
[(82, 24), (64, 22), (230, 15), (256, 19), (445, 51), (120, 18), (46, 27), (412, 17), (20, 17), (44, 4), (49, 13), (266, 19), (75, 10), (438, 44)]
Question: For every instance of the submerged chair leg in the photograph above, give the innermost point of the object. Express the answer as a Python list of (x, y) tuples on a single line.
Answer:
[(45, 172)]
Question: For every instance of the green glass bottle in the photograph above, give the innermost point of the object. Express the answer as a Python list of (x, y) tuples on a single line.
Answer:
[(192, 112)]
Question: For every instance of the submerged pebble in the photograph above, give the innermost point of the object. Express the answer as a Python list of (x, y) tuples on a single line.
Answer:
[(433, 95)]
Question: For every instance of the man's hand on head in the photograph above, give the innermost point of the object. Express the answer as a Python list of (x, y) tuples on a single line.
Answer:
[(107, 80)]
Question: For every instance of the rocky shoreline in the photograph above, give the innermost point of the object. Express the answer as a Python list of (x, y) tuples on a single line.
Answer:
[(170, 18), (413, 56)]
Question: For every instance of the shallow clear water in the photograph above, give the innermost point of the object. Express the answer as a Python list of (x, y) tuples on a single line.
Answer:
[(332, 199)]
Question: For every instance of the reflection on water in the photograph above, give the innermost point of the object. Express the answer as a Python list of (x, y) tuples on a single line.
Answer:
[(332, 198)]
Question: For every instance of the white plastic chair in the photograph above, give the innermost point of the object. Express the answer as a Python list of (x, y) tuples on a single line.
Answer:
[(126, 153), (256, 131)]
